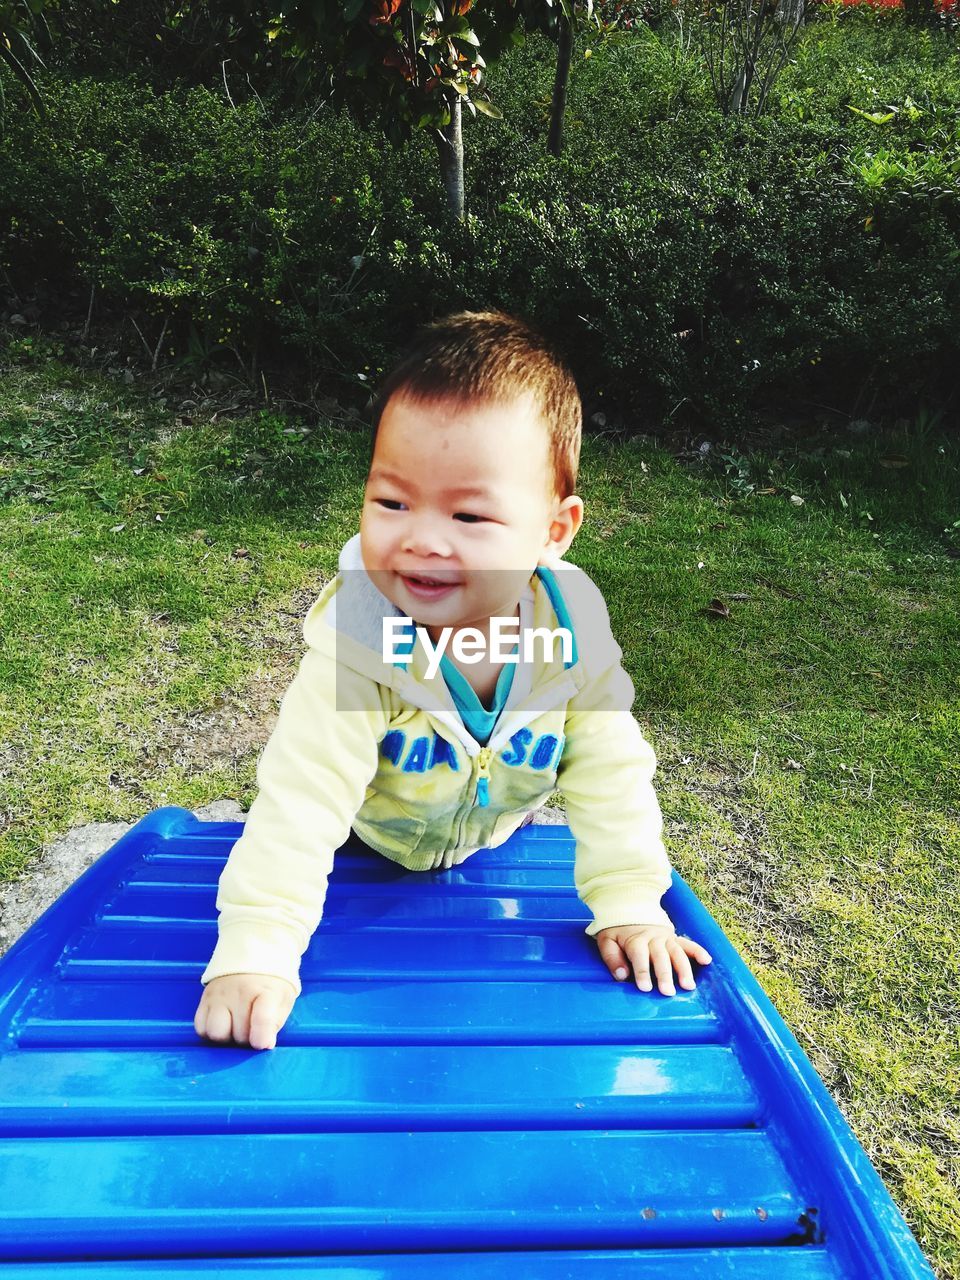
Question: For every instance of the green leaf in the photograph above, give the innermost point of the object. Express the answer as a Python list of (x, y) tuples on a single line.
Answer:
[(875, 117), (489, 109), (459, 26), (351, 9), (463, 47)]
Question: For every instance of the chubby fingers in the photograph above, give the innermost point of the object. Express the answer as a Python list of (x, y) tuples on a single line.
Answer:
[(268, 1013), (613, 956), (673, 953), (680, 962), (653, 955), (640, 950), (694, 950), (246, 1013), (661, 960), (213, 1019)]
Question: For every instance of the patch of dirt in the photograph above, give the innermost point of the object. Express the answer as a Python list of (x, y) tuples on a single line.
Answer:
[(750, 870), (238, 722)]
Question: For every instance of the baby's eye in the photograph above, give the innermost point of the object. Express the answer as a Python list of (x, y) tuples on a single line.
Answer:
[(391, 504), (468, 517)]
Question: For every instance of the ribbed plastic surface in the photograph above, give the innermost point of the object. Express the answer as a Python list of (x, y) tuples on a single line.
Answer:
[(461, 1091)]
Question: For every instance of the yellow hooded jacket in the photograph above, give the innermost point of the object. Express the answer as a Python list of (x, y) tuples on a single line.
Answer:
[(376, 746)]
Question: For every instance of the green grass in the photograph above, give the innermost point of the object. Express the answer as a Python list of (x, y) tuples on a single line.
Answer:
[(808, 743), (809, 749), (131, 601)]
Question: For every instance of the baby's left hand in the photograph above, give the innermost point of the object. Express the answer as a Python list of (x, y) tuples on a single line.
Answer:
[(650, 945)]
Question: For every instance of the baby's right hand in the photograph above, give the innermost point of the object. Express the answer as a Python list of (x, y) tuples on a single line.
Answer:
[(249, 1008)]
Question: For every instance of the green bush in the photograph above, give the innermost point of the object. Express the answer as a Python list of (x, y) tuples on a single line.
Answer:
[(151, 197), (686, 264)]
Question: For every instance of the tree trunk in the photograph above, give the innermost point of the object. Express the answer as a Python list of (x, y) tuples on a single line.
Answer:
[(792, 13), (449, 141), (562, 79), (741, 90)]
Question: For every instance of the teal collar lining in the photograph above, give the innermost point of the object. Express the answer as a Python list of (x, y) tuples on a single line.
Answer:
[(549, 579), (473, 713)]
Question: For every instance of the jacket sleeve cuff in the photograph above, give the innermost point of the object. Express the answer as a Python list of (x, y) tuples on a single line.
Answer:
[(270, 950), (621, 905)]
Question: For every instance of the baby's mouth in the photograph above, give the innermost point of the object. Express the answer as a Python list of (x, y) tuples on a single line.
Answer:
[(425, 587)]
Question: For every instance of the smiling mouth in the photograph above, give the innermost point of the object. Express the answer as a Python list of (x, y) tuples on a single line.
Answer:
[(427, 587)]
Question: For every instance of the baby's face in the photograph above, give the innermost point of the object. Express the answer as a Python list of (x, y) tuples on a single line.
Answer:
[(459, 509)]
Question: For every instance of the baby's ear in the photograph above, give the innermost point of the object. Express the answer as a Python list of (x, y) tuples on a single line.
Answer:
[(567, 518)]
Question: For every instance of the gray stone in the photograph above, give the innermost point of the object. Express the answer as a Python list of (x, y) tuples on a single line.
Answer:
[(550, 816), (64, 861), (50, 874), (221, 811)]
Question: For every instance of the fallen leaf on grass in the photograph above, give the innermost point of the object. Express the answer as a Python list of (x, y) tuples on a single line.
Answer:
[(894, 460), (716, 609)]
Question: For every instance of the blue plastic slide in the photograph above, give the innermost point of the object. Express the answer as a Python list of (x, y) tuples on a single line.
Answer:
[(462, 1091)]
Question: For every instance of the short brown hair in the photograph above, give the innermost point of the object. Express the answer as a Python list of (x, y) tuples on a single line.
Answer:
[(490, 356)]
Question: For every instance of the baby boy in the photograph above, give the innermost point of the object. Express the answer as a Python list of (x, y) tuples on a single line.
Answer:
[(431, 713)]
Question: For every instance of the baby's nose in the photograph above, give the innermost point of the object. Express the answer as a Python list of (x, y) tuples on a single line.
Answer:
[(425, 537)]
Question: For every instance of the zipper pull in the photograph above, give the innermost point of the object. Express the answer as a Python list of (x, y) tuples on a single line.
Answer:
[(483, 778)]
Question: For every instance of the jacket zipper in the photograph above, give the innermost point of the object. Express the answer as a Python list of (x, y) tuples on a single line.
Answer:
[(483, 778), (481, 797), (483, 755)]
